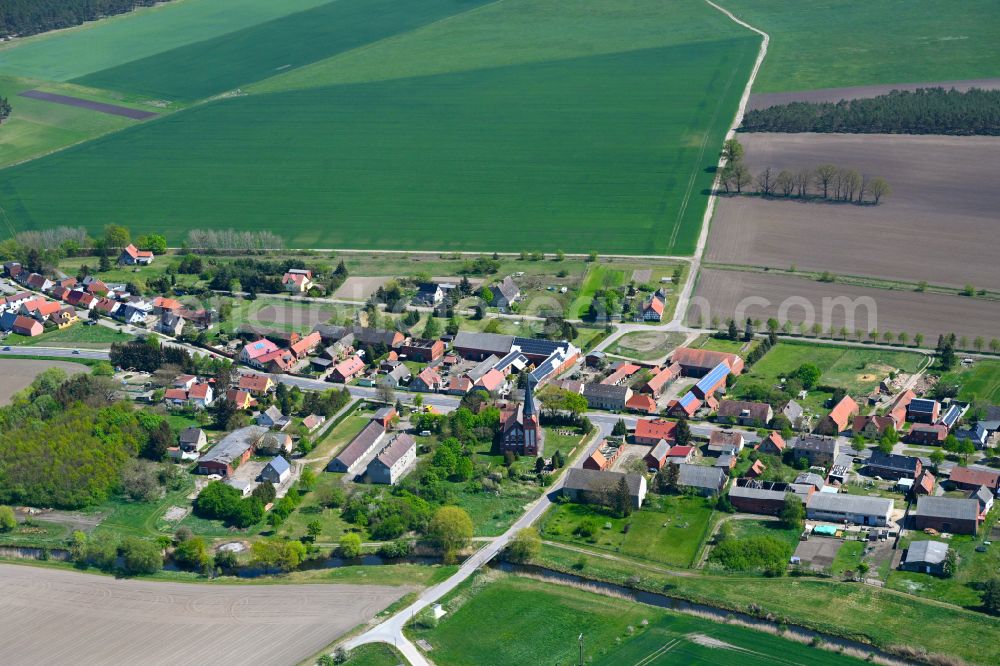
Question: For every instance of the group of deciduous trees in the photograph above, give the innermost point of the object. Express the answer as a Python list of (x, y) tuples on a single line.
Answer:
[(21, 18), (4, 109), (923, 111)]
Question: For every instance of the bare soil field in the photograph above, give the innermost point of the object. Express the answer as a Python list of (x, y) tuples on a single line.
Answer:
[(940, 223), (360, 288), (764, 100), (19, 373), (54, 616), (297, 316), (725, 293), (100, 107)]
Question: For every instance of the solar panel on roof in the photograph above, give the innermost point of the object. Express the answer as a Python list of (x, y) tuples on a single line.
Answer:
[(688, 398), (921, 405), (713, 377)]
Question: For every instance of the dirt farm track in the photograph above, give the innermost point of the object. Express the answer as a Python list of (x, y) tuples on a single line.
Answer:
[(939, 224), (896, 311), (51, 616)]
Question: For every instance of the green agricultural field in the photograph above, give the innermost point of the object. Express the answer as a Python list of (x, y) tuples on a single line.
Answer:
[(68, 54), (504, 619), (668, 530), (213, 66), (600, 132), (842, 43), (36, 127)]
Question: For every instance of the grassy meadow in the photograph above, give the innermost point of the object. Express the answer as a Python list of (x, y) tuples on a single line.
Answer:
[(504, 619), (842, 43)]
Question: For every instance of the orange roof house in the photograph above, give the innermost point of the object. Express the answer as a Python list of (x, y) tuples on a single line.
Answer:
[(651, 431), (836, 421), (642, 403)]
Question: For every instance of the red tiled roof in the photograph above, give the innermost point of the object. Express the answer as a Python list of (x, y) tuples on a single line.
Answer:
[(175, 394), (663, 377), (703, 358), (492, 380), (199, 391), (642, 403), (306, 344), (655, 429), (843, 411), (978, 477), (776, 439), (257, 383)]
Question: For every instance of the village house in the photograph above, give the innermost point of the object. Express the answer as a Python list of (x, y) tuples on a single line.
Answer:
[(968, 478), (749, 414), (478, 346), (766, 498), (844, 508), (255, 384), (588, 486), (897, 411), (756, 469), (604, 456), (621, 374), (689, 404), (429, 294), (505, 294), (397, 376), (232, 450), (363, 444), (394, 461), (947, 514), (657, 456), (132, 256), (347, 370), (65, 318), (240, 399), (651, 431), (927, 557), (927, 435), (721, 441), (170, 324), (681, 454), (653, 307), (773, 444), (893, 466), (705, 481), (272, 418), (984, 496), (923, 410), (39, 282), (641, 403), (276, 471), (312, 422), (252, 353), (839, 417), (603, 396), (816, 449), (297, 281), (871, 427), (27, 326), (424, 351), (427, 381), (712, 382), (661, 380), (305, 345), (699, 362)]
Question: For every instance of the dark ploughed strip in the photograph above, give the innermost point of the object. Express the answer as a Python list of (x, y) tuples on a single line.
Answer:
[(134, 114)]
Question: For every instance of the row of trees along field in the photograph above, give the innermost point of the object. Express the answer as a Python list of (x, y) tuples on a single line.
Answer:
[(826, 182), (923, 111), (21, 18), (4, 109)]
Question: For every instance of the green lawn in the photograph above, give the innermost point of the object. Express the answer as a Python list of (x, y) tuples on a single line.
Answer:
[(226, 62), (504, 619), (981, 382), (605, 132), (646, 345), (598, 277), (41, 534), (973, 568), (848, 557), (76, 335), (744, 529), (333, 526), (668, 530), (856, 370), (840, 43), (713, 343), (883, 617)]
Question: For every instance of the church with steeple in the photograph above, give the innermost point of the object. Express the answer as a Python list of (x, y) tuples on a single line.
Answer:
[(522, 429)]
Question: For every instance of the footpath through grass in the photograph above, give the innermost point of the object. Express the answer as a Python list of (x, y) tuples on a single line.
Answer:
[(842, 43), (505, 619)]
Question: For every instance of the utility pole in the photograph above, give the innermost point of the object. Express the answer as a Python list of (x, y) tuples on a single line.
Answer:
[(580, 638)]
